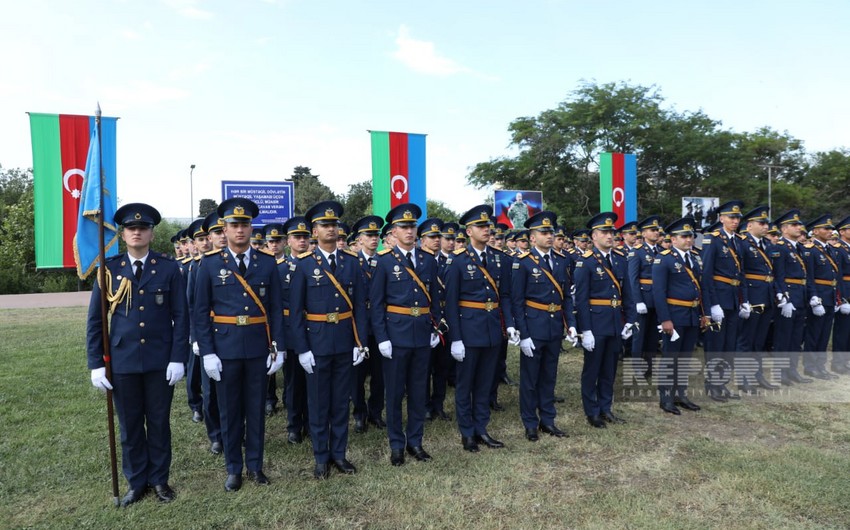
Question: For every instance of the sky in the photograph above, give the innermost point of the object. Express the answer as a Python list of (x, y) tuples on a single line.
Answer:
[(248, 90)]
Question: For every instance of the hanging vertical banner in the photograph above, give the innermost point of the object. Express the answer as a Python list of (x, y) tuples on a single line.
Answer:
[(618, 185), (398, 171), (60, 146)]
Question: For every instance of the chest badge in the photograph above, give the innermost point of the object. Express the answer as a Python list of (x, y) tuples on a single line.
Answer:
[(470, 268), (725, 250), (317, 274), (600, 272), (223, 274), (263, 291), (678, 267), (397, 272), (159, 298), (535, 272)]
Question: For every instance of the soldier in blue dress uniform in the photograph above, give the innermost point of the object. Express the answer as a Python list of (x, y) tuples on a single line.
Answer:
[(273, 235), (646, 335), (405, 308), (366, 231), (606, 317), (241, 343), (294, 377), (822, 283), (543, 314), (442, 367), (194, 391), (478, 315), (149, 344), (678, 301), (841, 328), (328, 319), (725, 296), (257, 239)]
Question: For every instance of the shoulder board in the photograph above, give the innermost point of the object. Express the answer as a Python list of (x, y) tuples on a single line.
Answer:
[(113, 258), (351, 253), (507, 251), (523, 255), (809, 245), (665, 252), (780, 242), (715, 233), (639, 245), (741, 236), (459, 251), (619, 252), (572, 251), (587, 254), (211, 252), (427, 250), (184, 261), (694, 252), (385, 251), (305, 254), (198, 257), (266, 252), (557, 253), (281, 260)]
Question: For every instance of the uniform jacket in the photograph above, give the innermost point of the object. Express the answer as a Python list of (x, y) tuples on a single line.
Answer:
[(529, 282), (788, 263), (756, 262), (721, 258), (671, 280), (641, 259), (822, 264), (284, 273), (593, 281)]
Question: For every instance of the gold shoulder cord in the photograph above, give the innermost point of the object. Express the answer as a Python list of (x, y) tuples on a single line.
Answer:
[(124, 291)]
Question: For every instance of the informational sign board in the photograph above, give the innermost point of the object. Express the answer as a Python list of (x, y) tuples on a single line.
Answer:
[(275, 199), (702, 209)]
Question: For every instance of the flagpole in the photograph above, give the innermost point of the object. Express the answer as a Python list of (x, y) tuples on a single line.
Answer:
[(101, 279)]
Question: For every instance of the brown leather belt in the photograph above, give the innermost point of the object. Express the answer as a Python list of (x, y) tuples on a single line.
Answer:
[(551, 308), (831, 283), (796, 281), (846, 278), (409, 311), (613, 302), (683, 303), (486, 306), (239, 320), (724, 279), (760, 277), (330, 318)]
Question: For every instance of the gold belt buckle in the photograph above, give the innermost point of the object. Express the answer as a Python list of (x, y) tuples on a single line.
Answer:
[(415, 311), (488, 305), (552, 308), (695, 303), (332, 318), (769, 279), (615, 302), (242, 320)]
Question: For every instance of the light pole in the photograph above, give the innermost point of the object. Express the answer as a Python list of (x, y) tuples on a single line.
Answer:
[(770, 168), (191, 191)]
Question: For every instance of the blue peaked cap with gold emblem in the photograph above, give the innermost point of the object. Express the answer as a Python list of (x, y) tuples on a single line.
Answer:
[(477, 215), (790, 217), (324, 213), (369, 225), (824, 221), (273, 231), (212, 222), (603, 221), (238, 210), (196, 229), (731, 208), (759, 214), (432, 226), (686, 226), (544, 221), (296, 226), (137, 214), (406, 214)]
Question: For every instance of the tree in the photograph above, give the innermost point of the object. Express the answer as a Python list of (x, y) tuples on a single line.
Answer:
[(206, 207), (440, 210), (309, 190), (357, 202)]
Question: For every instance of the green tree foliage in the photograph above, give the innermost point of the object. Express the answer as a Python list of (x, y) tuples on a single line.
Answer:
[(439, 209), (357, 202), (206, 207), (309, 190)]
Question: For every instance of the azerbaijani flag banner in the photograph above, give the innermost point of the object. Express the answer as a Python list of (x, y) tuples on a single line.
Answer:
[(60, 146), (618, 185), (398, 171)]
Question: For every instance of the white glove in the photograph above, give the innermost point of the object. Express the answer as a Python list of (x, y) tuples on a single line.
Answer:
[(99, 380), (174, 372), (358, 355), (458, 351), (716, 313), (787, 309), (195, 349), (745, 311), (641, 309), (815, 301), (526, 346), (818, 311), (675, 336), (386, 349), (212, 366), (435, 340), (588, 342), (276, 364), (513, 336), (844, 308), (307, 361), (572, 336), (627, 331), (781, 299)]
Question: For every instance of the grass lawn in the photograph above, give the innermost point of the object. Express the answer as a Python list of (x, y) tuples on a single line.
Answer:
[(758, 463)]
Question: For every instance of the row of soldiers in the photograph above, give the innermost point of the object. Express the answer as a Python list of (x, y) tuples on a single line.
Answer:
[(337, 313)]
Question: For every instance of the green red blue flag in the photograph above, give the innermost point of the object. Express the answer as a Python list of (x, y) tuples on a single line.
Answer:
[(398, 171), (618, 185)]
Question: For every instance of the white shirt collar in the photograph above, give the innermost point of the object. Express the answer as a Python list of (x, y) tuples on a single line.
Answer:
[(327, 254), (143, 259), (247, 255)]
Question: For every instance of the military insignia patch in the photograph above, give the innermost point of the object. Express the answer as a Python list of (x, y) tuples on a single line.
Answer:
[(160, 298)]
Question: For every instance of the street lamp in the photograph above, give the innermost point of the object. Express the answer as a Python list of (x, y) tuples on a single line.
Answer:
[(191, 191), (770, 168)]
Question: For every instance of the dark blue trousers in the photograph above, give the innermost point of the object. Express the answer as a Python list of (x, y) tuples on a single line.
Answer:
[(295, 388), (501, 370), (373, 369), (646, 337), (194, 388), (672, 384), (537, 376), (817, 338), (720, 349), (788, 337), (143, 403), (241, 404), (406, 374), (473, 382), (752, 336), (841, 340), (439, 371), (212, 418), (598, 373), (328, 396)]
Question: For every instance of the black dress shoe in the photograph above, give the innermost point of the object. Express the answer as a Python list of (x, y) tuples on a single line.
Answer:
[(764, 383), (506, 379), (817, 374), (294, 438), (133, 496), (216, 448), (611, 418), (270, 409), (551, 430), (469, 444), (360, 426), (560, 399), (377, 422), (259, 477), (233, 483), (397, 457), (197, 416), (785, 381), (496, 406), (531, 435), (716, 394), (795, 376), (686, 404), (597, 422), (418, 453), (728, 394), (747, 389), (489, 441), (164, 492), (321, 471), (344, 466), (667, 407), (443, 416)]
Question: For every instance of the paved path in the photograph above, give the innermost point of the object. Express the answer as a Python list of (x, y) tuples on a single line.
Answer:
[(31, 301)]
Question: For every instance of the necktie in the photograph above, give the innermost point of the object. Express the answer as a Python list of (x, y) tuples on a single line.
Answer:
[(548, 261), (688, 263), (761, 245), (332, 262), (242, 267), (138, 264), (484, 259), (608, 261), (442, 259), (409, 256)]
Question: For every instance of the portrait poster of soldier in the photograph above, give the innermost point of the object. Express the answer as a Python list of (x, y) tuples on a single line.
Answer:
[(702, 209), (514, 207)]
